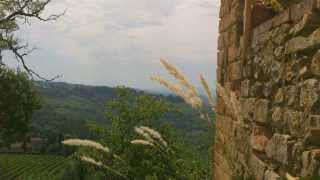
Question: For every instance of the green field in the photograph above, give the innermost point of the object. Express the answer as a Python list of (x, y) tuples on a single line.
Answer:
[(30, 167)]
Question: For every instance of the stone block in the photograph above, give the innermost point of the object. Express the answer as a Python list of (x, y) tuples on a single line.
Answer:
[(317, 4), (311, 164), (271, 175), (297, 151), (235, 70), (294, 121), (314, 38), (256, 90), (291, 95), (315, 65), (307, 24), (220, 75), (301, 43), (267, 89), (309, 93), (313, 122), (279, 148), (281, 18), (248, 69), (296, 12), (245, 88), (222, 57), (312, 130), (234, 34), (296, 44), (248, 106), (235, 15), (233, 52), (277, 118), (279, 52), (263, 28), (261, 111), (280, 34), (279, 96), (259, 142), (259, 38), (258, 167), (221, 43), (224, 8)]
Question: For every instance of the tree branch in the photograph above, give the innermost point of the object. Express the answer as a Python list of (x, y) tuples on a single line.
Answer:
[(22, 9), (20, 57)]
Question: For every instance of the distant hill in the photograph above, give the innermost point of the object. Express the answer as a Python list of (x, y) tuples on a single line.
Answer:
[(66, 108)]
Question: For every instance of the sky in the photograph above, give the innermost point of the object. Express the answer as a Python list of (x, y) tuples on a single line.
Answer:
[(120, 42)]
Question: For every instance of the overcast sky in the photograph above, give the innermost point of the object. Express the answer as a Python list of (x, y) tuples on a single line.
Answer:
[(120, 42)]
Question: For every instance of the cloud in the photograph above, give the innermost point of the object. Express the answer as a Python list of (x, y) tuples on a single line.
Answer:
[(112, 42)]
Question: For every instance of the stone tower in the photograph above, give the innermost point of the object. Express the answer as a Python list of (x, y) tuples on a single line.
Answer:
[(278, 86)]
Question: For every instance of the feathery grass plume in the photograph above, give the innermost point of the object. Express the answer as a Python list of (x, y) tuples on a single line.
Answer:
[(176, 88), (142, 133), (100, 164), (178, 74), (207, 89), (187, 96), (230, 100), (141, 142), (155, 135), (86, 143), (91, 161)]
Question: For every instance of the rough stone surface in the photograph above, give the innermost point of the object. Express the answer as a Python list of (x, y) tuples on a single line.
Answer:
[(294, 121), (245, 88), (235, 71), (261, 111), (311, 163), (309, 93), (258, 166), (278, 86), (271, 175), (315, 65), (279, 148), (312, 130), (279, 97)]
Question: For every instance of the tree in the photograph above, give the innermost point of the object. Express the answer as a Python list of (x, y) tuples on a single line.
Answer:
[(18, 101), (13, 13), (129, 149)]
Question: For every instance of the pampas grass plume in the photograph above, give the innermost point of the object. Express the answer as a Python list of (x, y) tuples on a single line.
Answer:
[(91, 161), (86, 143), (142, 142)]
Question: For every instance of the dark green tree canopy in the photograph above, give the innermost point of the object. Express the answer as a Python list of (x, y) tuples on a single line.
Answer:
[(18, 101)]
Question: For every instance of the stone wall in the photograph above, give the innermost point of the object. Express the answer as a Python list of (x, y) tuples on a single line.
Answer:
[(278, 86)]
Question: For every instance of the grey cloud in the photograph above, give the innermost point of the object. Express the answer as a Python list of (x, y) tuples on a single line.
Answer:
[(112, 42)]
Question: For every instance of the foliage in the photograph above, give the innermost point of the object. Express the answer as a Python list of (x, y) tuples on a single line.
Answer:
[(136, 155), (30, 167), (18, 101), (66, 109)]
